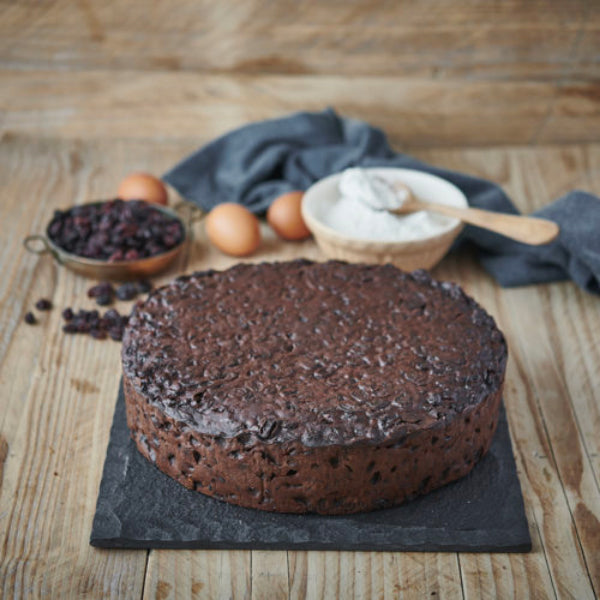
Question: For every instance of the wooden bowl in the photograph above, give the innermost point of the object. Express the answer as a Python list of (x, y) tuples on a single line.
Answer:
[(422, 253)]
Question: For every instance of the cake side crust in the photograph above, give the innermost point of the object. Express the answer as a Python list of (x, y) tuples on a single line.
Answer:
[(294, 478)]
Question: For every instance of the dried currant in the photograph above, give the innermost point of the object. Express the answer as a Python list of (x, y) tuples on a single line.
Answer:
[(43, 304), (127, 291)]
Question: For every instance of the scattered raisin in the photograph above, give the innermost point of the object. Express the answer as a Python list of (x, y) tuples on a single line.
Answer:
[(144, 286), (92, 316), (30, 318), (111, 324), (112, 314), (103, 300), (103, 288), (127, 291), (43, 304), (116, 334), (67, 314)]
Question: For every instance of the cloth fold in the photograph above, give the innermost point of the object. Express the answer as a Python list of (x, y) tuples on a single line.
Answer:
[(256, 163)]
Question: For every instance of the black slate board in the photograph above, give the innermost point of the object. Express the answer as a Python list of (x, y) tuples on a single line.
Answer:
[(140, 507)]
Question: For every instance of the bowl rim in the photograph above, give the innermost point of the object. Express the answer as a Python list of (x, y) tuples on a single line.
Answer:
[(317, 226)]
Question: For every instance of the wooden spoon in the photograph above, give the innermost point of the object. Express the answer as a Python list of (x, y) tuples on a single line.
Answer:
[(529, 230)]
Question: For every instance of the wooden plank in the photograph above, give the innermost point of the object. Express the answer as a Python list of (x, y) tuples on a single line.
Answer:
[(563, 540), (574, 319), (384, 575), (53, 467), (54, 454), (574, 106), (573, 315), (508, 575), (538, 379), (558, 564), (414, 112), (198, 574), (568, 451), (270, 575), (563, 412), (57, 401), (513, 40), (585, 61)]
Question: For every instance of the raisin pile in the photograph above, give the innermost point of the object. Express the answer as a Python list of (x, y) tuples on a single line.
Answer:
[(115, 230), (110, 324), (104, 292), (100, 326)]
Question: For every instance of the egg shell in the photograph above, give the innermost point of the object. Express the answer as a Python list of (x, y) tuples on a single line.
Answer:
[(143, 186), (285, 217), (233, 229)]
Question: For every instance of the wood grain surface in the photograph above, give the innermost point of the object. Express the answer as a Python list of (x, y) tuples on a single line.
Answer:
[(58, 396), (92, 91), (414, 112), (434, 73), (510, 40)]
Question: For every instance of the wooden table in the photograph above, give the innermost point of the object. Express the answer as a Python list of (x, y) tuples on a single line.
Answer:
[(87, 96)]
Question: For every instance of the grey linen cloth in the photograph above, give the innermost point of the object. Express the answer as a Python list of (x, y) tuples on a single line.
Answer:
[(256, 163)]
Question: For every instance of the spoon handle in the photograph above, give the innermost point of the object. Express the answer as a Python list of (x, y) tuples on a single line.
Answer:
[(529, 230)]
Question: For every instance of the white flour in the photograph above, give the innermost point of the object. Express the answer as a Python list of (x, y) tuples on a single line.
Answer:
[(352, 214)]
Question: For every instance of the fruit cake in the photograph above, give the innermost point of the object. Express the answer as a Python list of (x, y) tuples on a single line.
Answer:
[(312, 387)]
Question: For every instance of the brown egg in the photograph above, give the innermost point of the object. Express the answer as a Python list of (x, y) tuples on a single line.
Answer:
[(285, 218), (142, 186), (233, 229)]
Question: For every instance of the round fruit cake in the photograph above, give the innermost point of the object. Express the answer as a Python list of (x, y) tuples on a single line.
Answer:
[(312, 387)]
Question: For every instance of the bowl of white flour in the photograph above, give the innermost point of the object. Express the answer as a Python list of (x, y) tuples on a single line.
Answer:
[(346, 214)]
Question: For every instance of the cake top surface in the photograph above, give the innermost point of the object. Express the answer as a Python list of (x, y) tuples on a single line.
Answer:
[(326, 353)]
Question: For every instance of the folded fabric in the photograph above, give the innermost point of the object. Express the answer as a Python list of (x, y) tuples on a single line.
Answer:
[(256, 163)]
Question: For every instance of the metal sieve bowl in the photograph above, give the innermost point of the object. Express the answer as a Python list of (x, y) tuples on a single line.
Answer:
[(123, 269)]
